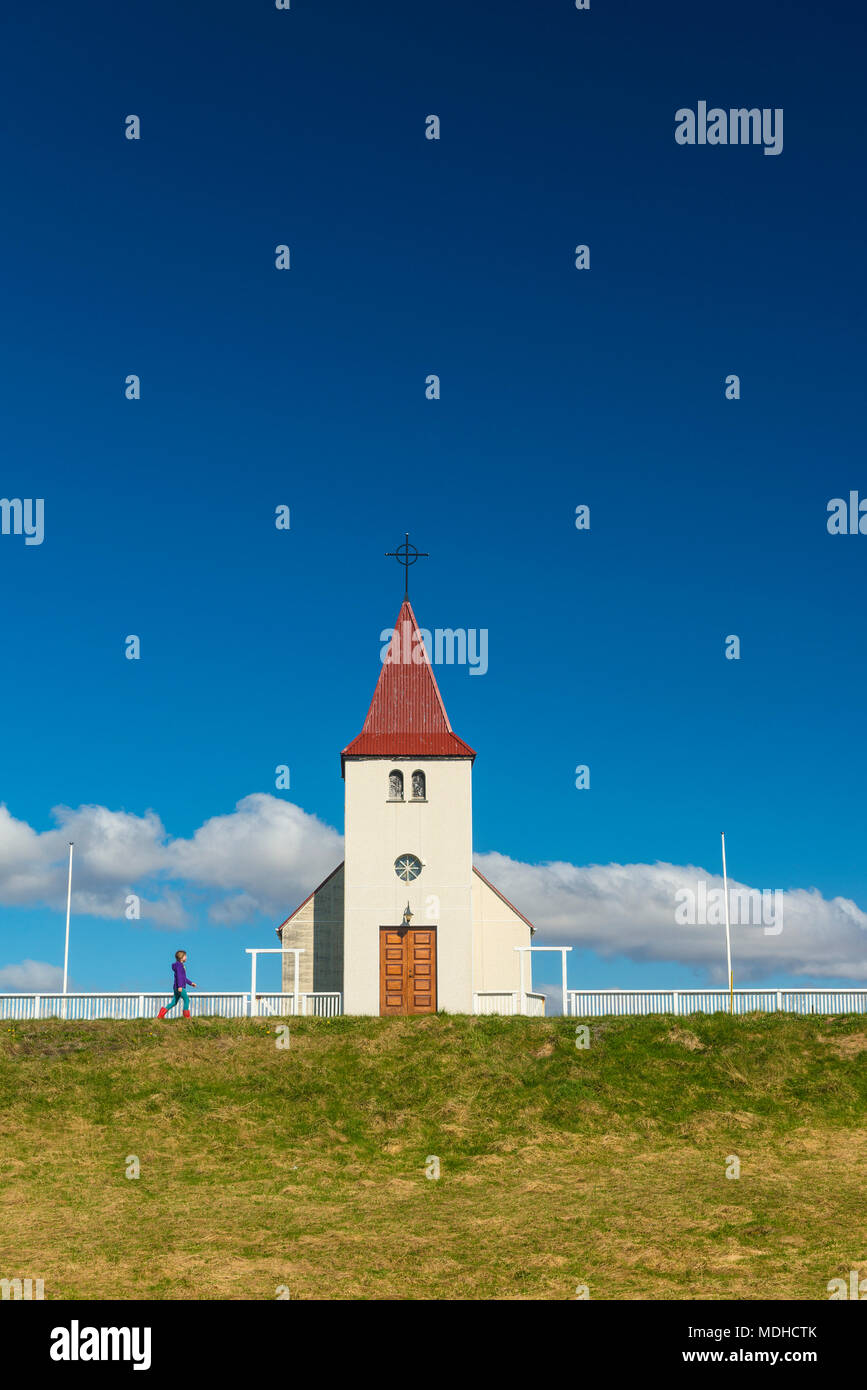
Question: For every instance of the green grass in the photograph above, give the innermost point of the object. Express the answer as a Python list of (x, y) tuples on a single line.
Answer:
[(560, 1166)]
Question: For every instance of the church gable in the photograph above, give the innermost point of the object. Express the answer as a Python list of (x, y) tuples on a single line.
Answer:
[(316, 926), (498, 927), (503, 910)]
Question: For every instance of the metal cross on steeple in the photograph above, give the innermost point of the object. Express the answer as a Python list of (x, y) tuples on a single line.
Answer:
[(407, 555)]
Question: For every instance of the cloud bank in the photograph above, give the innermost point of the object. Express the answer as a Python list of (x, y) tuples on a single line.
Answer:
[(265, 856), (261, 859), (32, 977), (632, 910)]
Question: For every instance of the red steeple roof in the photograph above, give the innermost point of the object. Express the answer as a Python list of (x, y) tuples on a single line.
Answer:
[(407, 717)]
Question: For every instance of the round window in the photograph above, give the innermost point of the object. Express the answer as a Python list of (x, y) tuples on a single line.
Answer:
[(407, 867)]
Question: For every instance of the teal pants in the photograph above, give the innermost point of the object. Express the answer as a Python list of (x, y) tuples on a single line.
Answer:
[(179, 994)]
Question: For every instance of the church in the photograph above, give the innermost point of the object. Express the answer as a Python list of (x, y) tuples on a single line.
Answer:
[(406, 924)]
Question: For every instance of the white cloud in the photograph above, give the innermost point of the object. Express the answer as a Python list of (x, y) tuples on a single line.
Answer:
[(629, 910), (32, 977), (230, 912), (113, 850), (262, 858), (269, 849)]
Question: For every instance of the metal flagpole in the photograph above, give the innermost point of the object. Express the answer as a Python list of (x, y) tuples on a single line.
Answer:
[(728, 928), (66, 948), (563, 965)]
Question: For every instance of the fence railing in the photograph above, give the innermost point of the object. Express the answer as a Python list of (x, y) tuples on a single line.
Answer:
[(580, 1003), (317, 1004), (508, 1002), (314, 1004), (592, 1003), (231, 1004)]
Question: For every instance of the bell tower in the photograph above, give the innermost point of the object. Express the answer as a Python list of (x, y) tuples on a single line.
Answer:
[(408, 908)]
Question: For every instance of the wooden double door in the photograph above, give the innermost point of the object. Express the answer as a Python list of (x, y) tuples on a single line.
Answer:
[(407, 970)]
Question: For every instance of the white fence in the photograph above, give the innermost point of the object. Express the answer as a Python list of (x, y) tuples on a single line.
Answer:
[(580, 1003), (592, 1003), (508, 1002), (230, 1005), (314, 1004)]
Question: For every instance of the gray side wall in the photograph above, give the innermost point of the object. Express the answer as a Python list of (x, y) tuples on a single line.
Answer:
[(318, 927)]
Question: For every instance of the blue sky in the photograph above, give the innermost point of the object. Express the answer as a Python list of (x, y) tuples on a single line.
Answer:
[(306, 388)]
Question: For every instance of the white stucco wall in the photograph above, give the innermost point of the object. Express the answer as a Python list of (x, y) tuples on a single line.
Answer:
[(497, 930), (439, 832)]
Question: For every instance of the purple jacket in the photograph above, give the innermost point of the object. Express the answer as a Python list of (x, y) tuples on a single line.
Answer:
[(180, 974)]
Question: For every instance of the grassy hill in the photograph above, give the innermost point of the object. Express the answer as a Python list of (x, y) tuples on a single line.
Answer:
[(306, 1166)]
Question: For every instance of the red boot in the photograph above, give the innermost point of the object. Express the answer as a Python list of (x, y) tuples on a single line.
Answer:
[(161, 1014), (186, 1013)]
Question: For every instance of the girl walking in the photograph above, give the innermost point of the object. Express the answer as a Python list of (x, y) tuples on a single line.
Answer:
[(181, 983)]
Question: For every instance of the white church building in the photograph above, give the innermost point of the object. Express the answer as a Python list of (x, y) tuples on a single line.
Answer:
[(406, 924)]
